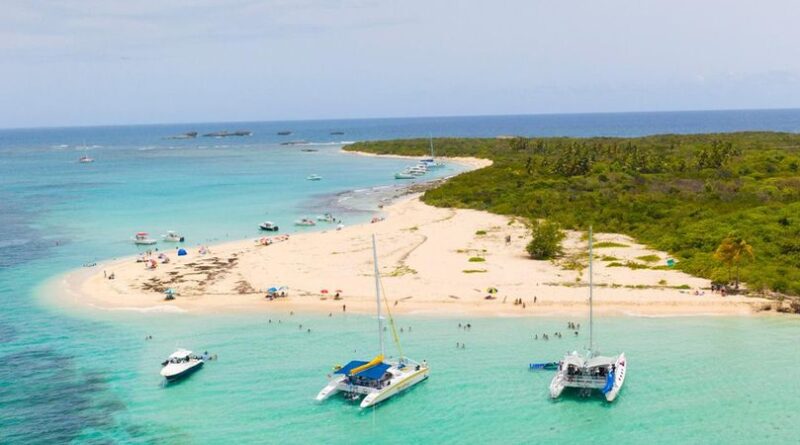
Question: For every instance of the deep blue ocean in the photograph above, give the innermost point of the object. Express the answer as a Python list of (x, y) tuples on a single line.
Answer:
[(88, 377)]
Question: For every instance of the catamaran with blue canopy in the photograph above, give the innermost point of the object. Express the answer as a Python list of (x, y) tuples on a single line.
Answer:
[(380, 378)]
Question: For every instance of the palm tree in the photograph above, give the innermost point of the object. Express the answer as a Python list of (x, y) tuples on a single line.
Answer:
[(731, 252)]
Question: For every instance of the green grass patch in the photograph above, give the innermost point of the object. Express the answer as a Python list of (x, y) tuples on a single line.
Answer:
[(474, 271), (649, 258), (605, 244), (477, 259), (480, 232)]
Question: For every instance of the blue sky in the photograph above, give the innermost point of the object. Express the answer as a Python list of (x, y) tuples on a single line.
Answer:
[(68, 62)]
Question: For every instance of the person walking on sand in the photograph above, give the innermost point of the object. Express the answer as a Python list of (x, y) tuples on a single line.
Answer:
[(344, 308)]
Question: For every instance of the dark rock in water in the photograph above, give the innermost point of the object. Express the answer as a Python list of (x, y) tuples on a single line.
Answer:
[(225, 134)]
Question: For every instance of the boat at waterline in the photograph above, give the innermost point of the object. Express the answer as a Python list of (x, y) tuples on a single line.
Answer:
[(180, 364), (173, 237), (85, 159), (143, 239), (403, 175), (269, 226), (590, 371), (431, 162), (305, 222), (378, 379), (313, 177)]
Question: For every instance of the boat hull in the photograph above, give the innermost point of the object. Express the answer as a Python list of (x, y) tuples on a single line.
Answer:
[(392, 390), (619, 377), (182, 373)]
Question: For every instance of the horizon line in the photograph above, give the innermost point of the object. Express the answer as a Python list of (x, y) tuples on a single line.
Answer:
[(455, 116)]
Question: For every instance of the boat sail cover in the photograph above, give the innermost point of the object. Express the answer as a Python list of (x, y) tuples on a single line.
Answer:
[(371, 373)]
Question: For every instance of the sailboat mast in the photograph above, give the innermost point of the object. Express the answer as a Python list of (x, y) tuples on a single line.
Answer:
[(377, 291), (591, 309)]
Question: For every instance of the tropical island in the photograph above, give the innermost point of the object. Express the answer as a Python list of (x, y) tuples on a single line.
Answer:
[(696, 224), (726, 206)]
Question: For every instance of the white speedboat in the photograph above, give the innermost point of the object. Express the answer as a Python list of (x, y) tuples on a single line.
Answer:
[(417, 170), (306, 222), (173, 237), (85, 159), (590, 371), (143, 239), (180, 364), (378, 379), (269, 226), (313, 177), (404, 175)]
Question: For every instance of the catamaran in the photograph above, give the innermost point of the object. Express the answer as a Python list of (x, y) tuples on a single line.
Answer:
[(431, 162), (591, 370), (377, 379)]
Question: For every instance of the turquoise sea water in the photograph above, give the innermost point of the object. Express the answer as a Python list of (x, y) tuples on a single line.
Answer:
[(90, 377)]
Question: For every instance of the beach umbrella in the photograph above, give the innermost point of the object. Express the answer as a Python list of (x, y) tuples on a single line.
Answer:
[(170, 291), (670, 262), (339, 291), (272, 289), (492, 290), (181, 252)]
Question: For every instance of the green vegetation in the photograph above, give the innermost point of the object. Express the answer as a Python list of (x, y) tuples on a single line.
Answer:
[(480, 232), (603, 244), (546, 237), (649, 258), (732, 251), (474, 271), (477, 259), (683, 194)]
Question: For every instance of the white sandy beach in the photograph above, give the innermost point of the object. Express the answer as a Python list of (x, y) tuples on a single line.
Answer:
[(424, 254)]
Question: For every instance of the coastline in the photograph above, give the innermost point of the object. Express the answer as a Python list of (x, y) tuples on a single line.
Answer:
[(428, 264)]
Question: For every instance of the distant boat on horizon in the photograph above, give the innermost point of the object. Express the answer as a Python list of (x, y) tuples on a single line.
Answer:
[(284, 133)]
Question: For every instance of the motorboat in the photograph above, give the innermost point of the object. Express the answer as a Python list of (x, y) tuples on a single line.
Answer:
[(143, 239), (268, 226), (328, 218), (417, 170), (85, 159), (305, 222), (284, 133), (404, 175), (180, 364), (590, 371), (378, 379), (313, 177), (173, 237)]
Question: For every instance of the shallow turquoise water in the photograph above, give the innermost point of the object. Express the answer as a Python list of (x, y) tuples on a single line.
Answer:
[(91, 377)]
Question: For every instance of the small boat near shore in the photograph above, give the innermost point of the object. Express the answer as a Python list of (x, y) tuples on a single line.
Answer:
[(173, 237), (305, 222), (269, 226), (143, 239), (314, 177), (378, 379), (85, 159), (404, 175), (180, 364), (328, 218)]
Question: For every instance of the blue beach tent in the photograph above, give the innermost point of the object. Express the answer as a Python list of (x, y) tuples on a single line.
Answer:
[(181, 252)]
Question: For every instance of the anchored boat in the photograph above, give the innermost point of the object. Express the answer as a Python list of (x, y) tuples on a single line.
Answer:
[(590, 371), (378, 379), (143, 239), (173, 237), (180, 364)]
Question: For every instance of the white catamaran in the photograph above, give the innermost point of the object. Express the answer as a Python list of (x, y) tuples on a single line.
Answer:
[(379, 378), (591, 370)]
